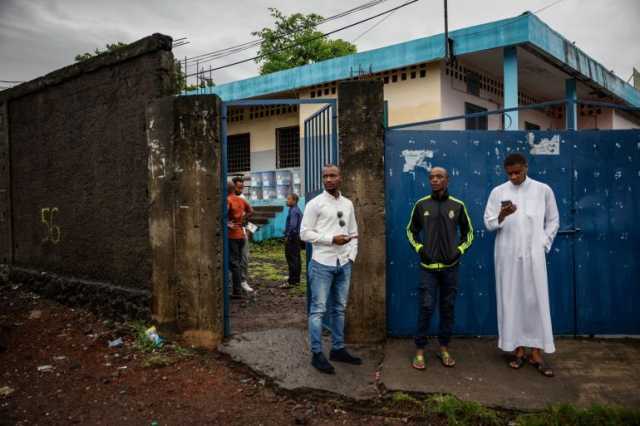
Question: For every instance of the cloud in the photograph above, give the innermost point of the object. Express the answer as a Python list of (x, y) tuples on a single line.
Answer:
[(39, 36)]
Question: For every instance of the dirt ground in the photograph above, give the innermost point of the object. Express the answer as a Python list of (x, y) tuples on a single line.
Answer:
[(270, 306), (89, 383)]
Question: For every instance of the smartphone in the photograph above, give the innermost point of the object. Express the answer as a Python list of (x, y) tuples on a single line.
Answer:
[(505, 203)]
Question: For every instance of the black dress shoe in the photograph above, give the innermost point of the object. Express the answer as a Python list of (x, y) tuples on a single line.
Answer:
[(321, 364), (341, 355)]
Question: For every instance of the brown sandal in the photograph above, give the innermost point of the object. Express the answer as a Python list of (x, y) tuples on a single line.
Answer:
[(542, 368), (518, 362)]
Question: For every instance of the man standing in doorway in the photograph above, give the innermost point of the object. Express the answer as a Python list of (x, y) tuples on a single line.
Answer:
[(238, 211), (292, 241), (433, 233), (329, 224), (525, 215), (238, 183)]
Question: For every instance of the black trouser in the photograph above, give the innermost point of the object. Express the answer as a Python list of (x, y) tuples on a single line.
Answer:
[(235, 263), (292, 253), (433, 283)]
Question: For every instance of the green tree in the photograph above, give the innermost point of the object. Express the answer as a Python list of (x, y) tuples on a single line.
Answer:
[(294, 41), (109, 48), (180, 78)]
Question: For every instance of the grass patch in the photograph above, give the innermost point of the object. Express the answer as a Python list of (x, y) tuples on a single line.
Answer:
[(267, 263), (298, 291), (404, 402), (597, 415), (268, 250), (459, 412), (158, 361), (142, 343), (266, 272), (183, 352)]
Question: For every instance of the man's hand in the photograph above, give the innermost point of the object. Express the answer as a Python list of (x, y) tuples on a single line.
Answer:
[(506, 210), (341, 239)]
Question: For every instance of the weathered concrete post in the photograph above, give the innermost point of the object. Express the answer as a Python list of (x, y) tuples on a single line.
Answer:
[(360, 120), (184, 218)]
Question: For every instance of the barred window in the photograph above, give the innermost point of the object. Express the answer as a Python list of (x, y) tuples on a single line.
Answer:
[(288, 147), (476, 123), (238, 153)]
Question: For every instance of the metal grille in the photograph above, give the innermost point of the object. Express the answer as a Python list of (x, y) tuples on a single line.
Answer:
[(288, 146), (238, 153), (320, 147)]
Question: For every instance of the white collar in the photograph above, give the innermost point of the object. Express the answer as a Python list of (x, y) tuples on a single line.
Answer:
[(326, 193)]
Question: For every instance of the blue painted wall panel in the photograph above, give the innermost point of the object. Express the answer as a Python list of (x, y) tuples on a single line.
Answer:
[(607, 188)]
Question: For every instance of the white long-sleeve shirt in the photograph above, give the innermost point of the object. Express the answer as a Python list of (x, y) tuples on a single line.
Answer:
[(320, 223)]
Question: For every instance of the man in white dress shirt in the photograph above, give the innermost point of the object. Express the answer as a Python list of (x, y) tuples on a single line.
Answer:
[(329, 224), (525, 215)]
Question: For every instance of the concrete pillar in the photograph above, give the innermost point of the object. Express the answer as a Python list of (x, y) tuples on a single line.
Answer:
[(6, 239), (571, 115), (184, 218), (361, 139), (510, 73)]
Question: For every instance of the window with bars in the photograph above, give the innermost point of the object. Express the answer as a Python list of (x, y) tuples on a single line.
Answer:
[(238, 153), (475, 123), (288, 147), (531, 126)]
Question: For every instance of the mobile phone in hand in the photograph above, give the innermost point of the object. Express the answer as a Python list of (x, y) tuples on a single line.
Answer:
[(505, 203)]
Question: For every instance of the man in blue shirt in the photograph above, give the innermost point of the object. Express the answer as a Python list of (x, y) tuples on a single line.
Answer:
[(292, 241)]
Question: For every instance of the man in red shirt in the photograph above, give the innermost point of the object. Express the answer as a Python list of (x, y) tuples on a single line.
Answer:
[(238, 211)]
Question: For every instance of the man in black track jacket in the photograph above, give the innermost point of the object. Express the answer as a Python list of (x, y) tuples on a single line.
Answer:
[(433, 233)]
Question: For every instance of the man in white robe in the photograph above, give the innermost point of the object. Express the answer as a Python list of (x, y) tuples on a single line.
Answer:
[(524, 213)]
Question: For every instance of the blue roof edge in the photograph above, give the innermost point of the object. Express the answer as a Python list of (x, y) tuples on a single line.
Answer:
[(554, 44), (485, 36), (525, 28)]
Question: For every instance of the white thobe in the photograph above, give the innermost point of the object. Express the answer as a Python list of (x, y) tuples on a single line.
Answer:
[(522, 292)]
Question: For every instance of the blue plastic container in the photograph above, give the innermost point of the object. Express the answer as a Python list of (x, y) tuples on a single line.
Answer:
[(256, 194), (256, 180), (268, 178), (269, 193), (283, 191), (297, 179), (283, 177)]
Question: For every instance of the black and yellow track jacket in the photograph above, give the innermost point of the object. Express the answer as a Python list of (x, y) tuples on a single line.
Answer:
[(433, 231)]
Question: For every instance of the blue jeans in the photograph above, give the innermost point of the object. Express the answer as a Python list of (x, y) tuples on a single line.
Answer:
[(443, 283), (329, 286)]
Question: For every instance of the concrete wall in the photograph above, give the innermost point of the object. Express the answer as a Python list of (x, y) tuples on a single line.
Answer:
[(78, 172), (361, 110), (414, 100), (6, 238), (540, 118), (185, 226), (624, 121)]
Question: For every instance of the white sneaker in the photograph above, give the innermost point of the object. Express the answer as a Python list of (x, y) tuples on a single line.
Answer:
[(246, 287)]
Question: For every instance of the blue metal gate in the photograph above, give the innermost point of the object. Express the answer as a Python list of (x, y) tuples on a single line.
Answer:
[(593, 268), (320, 147)]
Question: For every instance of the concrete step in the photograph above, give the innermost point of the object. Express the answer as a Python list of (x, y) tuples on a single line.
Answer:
[(266, 216), (274, 209)]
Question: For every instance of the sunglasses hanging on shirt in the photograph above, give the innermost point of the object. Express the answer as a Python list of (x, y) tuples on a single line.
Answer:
[(341, 222)]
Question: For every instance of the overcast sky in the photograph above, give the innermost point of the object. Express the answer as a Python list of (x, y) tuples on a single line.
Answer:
[(39, 36)]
